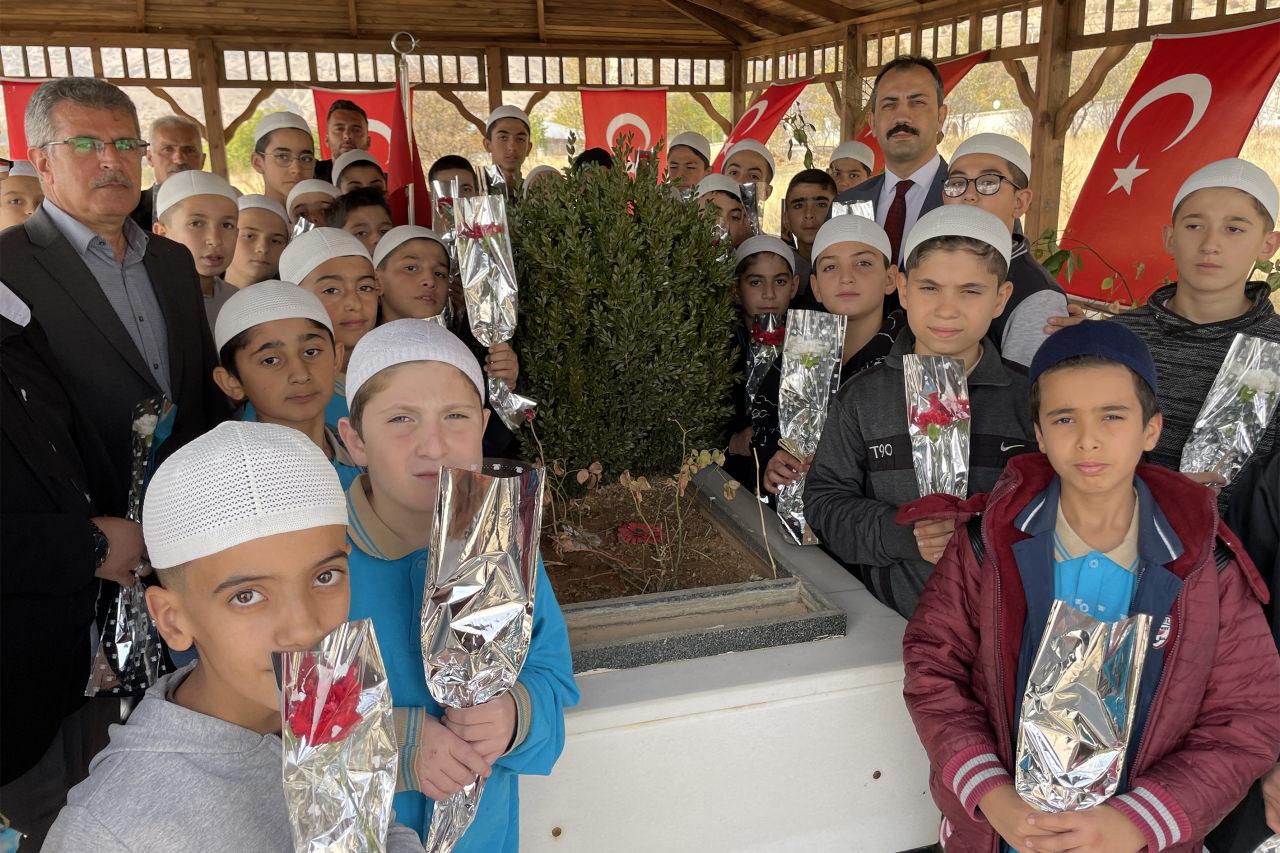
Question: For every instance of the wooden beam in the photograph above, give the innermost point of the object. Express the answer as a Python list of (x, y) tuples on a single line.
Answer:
[(1026, 92), (823, 9), (711, 111), (852, 109), (535, 99), (247, 113), (837, 102), (737, 90), (717, 23), (353, 18), (542, 20), (175, 106), (462, 109), (493, 73), (1053, 85), (1110, 58), (207, 69), (739, 10), (140, 15)]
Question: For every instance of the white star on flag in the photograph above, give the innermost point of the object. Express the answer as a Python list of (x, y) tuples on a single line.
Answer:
[(1126, 176)]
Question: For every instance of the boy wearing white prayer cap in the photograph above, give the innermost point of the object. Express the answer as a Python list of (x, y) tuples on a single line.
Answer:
[(507, 139), (200, 210), (726, 194), (356, 169), (283, 153), (412, 266), (245, 527), (688, 159), (417, 397), (312, 199), (264, 232), (991, 171), (957, 262), (749, 162), (1224, 221), (851, 163), (20, 194)]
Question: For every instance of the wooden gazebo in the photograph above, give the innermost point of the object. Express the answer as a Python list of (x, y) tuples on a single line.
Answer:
[(694, 46)]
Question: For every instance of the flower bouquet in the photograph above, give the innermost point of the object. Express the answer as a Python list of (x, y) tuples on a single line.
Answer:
[(751, 205), (938, 423), (443, 196), (767, 334)]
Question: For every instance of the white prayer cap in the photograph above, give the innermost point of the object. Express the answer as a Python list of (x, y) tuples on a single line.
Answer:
[(506, 111), (184, 185), (696, 141), (400, 235), (766, 243), (238, 482), (998, 145), (402, 341), (854, 150), (850, 228), (717, 183), (23, 169), (1239, 175), (312, 248), (535, 172), (261, 202), (750, 145), (310, 185), (279, 121), (264, 302), (960, 220), (351, 158)]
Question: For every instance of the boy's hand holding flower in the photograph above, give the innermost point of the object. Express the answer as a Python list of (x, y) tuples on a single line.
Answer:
[(445, 763), (502, 363), (488, 727), (783, 469), (932, 538), (1100, 829), (124, 549)]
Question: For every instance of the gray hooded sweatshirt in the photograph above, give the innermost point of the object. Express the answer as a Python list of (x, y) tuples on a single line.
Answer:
[(177, 780)]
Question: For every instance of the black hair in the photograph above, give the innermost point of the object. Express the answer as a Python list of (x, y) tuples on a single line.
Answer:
[(349, 106), (908, 61), (996, 264), (452, 161), (813, 176), (227, 355), (359, 197), (1146, 396), (593, 157)]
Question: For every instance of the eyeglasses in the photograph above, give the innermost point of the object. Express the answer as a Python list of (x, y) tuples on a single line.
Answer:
[(86, 145), (284, 159), (957, 185)]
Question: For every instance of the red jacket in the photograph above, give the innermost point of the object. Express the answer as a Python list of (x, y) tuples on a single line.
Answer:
[(1213, 726)]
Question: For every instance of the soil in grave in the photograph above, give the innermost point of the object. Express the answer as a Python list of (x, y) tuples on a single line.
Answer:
[(608, 567)]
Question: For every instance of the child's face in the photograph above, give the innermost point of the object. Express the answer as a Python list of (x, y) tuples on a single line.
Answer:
[(847, 173), (508, 143), (20, 195), (747, 167), (950, 299), (466, 180), (852, 279), (766, 285), (290, 158), (1216, 238), (1007, 203), (368, 224), (808, 206), (1090, 426), (286, 369), (685, 166), (428, 417), (730, 214), (414, 280), (349, 291), (262, 238), (207, 226), (316, 207), (279, 593), (362, 175)]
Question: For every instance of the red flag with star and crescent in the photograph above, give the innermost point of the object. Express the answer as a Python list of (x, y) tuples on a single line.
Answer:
[(1193, 102), (610, 116), (759, 120)]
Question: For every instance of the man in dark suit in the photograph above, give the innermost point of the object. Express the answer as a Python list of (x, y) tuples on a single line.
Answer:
[(174, 146)]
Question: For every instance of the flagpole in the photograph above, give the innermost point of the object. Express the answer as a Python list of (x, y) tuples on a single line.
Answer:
[(406, 102)]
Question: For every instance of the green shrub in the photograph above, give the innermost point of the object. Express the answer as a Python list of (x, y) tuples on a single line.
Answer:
[(625, 324)]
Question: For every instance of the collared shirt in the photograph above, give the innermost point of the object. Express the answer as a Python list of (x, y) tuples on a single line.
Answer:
[(217, 297), (127, 286), (922, 180), (1067, 544)]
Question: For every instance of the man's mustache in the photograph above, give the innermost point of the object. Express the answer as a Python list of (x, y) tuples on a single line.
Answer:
[(112, 178), (904, 128)]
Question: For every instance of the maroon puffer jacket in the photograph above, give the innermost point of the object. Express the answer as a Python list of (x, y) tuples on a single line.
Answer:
[(1214, 726)]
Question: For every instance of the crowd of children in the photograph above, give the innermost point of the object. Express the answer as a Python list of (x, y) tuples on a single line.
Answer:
[(315, 504)]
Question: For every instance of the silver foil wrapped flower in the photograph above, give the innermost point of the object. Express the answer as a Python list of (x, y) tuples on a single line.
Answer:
[(751, 205), (1077, 709), (767, 334), (444, 196), (489, 284), (938, 423), (1240, 404), (865, 209), (811, 357), (339, 742), (477, 612)]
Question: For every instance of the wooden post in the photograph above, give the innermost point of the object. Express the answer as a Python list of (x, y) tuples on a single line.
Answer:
[(208, 61), (737, 79), (852, 109), (493, 76), (1053, 86)]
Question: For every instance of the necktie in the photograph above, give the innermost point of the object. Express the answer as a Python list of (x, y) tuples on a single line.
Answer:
[(896, 218)]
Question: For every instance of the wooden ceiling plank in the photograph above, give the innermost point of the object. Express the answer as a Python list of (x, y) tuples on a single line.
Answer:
[(833, 12), (748, 14), (712, 21)]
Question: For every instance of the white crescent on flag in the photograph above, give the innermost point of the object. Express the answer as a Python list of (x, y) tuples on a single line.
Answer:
[(758, 108), (622, 120), (1195, 86), (381, 128)]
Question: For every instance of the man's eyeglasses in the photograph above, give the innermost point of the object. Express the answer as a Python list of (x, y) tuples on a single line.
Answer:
[(86, 145), (957, 185), (284, 159)]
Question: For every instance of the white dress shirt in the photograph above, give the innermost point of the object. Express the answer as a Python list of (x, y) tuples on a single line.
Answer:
[(923, 179)]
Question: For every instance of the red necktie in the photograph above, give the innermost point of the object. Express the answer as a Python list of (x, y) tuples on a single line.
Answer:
[(896, 219)]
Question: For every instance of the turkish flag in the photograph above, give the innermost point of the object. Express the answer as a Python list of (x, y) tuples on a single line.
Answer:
[(1193, 102), (610, 116), (759, 120), (16, 96), (952, 73)]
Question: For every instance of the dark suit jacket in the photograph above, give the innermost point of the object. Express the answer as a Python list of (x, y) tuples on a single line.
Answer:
[(145, 213), (870, 189), (102, 367)]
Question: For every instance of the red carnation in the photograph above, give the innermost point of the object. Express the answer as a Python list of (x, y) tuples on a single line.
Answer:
[(338, 716), (772, 338)]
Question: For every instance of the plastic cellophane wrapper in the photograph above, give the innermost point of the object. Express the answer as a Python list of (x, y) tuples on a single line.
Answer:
[(130, 655), (767, 334), (495, 181), (938, 423), (1077, 710), (477, 612), (751, 205), (811, 358), (1269, 845), (1240, 404), (865, 209), (302, 226), (489, 284), (443, 196), (339, 742)]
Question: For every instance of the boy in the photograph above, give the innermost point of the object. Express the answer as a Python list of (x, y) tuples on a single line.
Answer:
[(283, 153), (1207, 718), (956, 284), (312, 199), (417, 395), (356, 169), (1224, 220), (346, 128), (452, 166), (244, 527), (412, 267), (507, 138), (991, 171), (200, 211), (263, 234), (806, 206), (748, 162), (688, 159), (725, 194), (851, 164), (20, 194), (276, 351), (363, 212), (538, 174)]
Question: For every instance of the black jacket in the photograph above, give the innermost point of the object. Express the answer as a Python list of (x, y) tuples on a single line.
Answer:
[(145, 213)]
